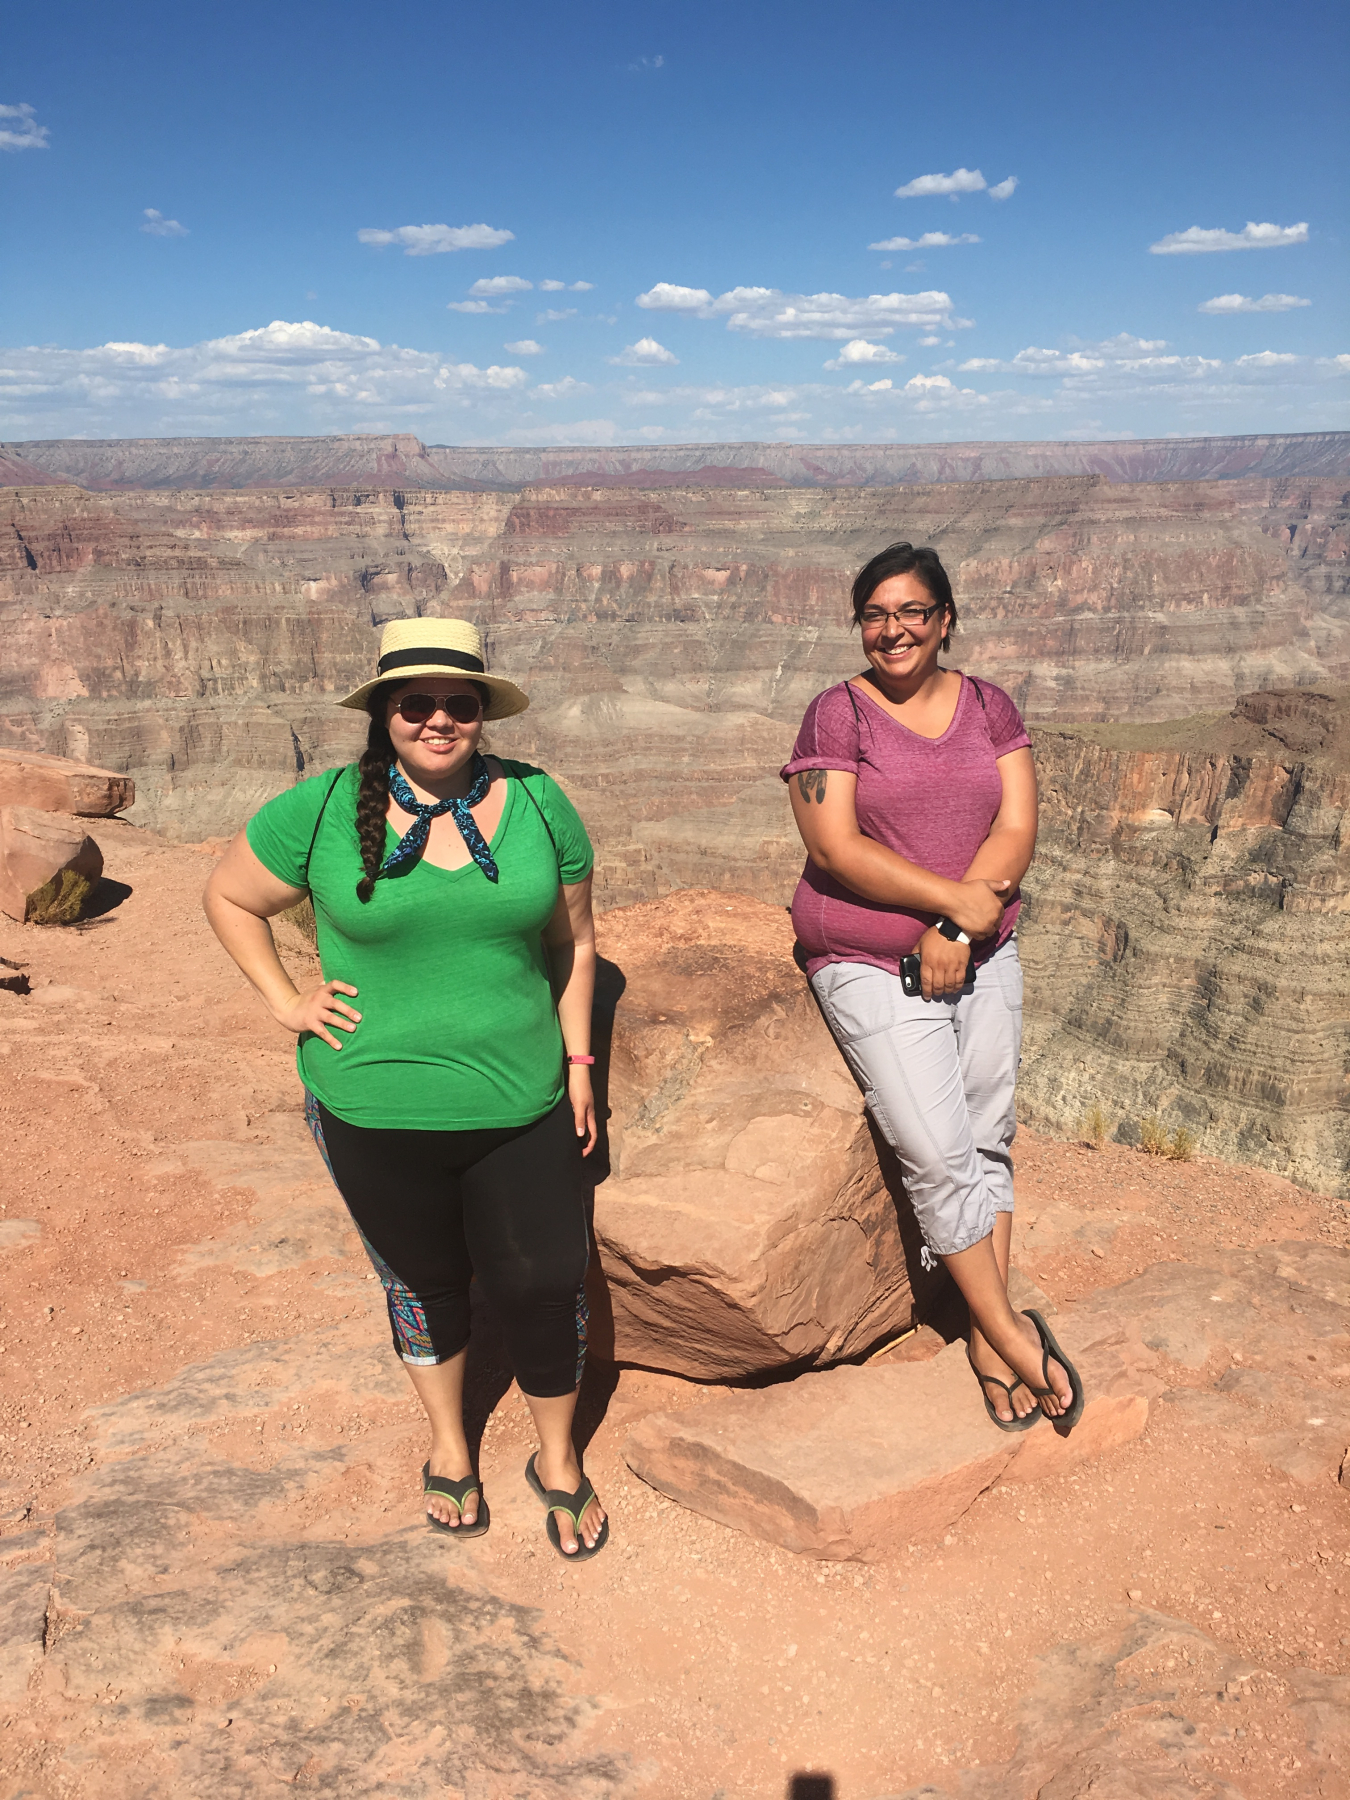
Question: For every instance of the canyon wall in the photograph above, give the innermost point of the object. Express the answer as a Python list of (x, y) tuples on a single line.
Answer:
[(402, 459), (1185, 936), (670, 639)]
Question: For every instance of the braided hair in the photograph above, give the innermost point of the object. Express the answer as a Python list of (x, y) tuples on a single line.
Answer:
[(372, 800)]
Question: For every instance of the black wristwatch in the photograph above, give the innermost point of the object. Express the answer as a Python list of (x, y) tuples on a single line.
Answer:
[(952, 931)]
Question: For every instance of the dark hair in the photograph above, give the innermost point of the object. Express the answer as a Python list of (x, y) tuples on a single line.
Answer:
[(372, 799), (904, 559)]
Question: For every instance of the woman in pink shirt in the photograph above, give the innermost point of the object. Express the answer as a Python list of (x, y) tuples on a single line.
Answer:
[(914, 789)]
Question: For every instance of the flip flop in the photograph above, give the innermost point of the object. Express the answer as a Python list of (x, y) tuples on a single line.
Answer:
[(1014, 1424), (458, 1491), (1065, 1421), (573, 1505)]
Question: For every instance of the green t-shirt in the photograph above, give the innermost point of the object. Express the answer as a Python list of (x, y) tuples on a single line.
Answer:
[(459, 1029)]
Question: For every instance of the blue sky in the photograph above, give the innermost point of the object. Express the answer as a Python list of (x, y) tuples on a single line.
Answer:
[(206, 218)]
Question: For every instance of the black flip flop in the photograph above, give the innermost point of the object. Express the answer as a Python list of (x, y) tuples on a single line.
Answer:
[(458, 1491), (1065, 1421), (1014, 1424), (573, 1505)]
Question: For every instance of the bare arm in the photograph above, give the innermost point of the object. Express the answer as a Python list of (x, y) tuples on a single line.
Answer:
[(241, 896), (823, 806), (1007, 852), (569, 943)]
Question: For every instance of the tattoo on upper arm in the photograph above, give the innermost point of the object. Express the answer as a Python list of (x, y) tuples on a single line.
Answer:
[(811, 785)]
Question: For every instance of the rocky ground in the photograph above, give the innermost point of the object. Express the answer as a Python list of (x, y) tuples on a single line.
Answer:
[(214, 1581)]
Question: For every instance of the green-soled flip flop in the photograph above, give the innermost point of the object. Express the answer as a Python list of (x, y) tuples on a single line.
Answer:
[(458, 1492), (1050, 1348), (573, 1505)]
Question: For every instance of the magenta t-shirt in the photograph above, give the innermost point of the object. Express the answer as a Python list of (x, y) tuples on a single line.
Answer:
[(931, 800)]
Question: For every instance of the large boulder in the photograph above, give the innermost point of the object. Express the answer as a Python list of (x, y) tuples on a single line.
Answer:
[(748, 1224), (58, 784), (48, 866)]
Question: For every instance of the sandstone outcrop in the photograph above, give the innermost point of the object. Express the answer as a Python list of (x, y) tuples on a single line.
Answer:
[(59, 784), (401, 458), (747, 1225), (857, 1462), (49, 867)]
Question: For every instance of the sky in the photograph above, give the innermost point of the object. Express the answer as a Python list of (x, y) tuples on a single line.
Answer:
[(659, 223)]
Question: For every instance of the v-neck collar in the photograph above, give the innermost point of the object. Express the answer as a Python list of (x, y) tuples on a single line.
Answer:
[(908, 729)]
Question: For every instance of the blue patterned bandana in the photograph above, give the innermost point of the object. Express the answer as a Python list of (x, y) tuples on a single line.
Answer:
[(409, 848)]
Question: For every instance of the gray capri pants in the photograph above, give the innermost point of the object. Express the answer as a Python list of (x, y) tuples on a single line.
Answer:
[(938, 1077)]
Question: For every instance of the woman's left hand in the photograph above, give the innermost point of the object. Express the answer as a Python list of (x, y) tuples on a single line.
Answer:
[(580, 1093), (942, 965)]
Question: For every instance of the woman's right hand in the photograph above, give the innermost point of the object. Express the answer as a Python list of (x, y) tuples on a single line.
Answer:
[(977, 906), (319, 1009)]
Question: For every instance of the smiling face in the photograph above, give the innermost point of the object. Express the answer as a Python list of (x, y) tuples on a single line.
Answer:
[(903, 651), (441, 748)]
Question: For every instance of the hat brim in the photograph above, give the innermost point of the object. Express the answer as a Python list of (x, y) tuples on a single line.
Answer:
[(505, 699)]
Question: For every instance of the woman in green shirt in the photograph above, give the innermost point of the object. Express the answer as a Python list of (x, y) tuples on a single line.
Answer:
[(446, 1054)]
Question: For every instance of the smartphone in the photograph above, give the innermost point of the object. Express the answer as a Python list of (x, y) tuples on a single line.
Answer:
[(911, 980)]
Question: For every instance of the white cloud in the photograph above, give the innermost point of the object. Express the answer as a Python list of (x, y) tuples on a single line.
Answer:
[(1341, 364), (23, 132), (472, 306), (1267, 359), (555, 315), (1004, 190), (581, 287), (918, 384), (1239, 303), (562, 287), (931, 240), (1197, 240), (769, 313), (436, 240), (961, 181), (927, 342), (158, 226), (859, 350), (646, 62), (645, 354), (494, 285), (560, 390), (525, 347), (666, 296)]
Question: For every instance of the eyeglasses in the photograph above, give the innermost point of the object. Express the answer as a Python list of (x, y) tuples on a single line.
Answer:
[(911, 617), (416, 709)]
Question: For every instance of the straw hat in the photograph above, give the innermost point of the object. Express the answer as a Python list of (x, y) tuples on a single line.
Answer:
[(415, 647)]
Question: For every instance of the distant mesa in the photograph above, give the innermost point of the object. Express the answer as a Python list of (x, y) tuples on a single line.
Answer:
[(400, 460)]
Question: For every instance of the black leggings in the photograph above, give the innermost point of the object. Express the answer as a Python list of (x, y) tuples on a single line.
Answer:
[(436, 1208)]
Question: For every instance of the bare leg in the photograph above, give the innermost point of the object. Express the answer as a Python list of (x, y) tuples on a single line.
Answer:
[(1010, 1335), (557, 1464), (440, 1388), (985, 1359)]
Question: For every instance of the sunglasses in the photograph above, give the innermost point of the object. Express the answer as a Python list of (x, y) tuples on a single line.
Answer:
[(416, 709)]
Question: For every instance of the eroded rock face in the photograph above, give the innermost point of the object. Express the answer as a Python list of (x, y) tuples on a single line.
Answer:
[(670, 639), (747, 1225), (1186, 935), (48, 866)]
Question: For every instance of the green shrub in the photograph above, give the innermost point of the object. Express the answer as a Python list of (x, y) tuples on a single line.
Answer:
[(1094, 1127), (60, 901), (1182, 1146), (302, 917), (1152, 1138)]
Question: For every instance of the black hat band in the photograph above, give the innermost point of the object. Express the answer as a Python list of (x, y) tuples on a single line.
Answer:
[(445, 659)]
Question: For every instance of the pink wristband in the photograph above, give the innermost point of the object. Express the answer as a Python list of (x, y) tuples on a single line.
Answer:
[(581, 1059)]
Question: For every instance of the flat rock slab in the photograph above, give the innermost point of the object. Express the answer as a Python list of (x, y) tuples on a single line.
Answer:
[(853, 1463), (60, 784)]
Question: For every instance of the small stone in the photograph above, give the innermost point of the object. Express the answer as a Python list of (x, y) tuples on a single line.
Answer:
[(1097, 1252), (1136, 1593)]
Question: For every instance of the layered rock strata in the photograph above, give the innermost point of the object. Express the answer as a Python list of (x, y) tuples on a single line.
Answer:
[(400, 457), (670, 640), (1186, 935)]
